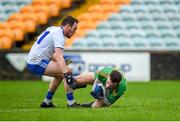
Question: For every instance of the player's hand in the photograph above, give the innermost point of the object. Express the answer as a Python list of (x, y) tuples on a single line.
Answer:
[(70, 80), (97, 93)]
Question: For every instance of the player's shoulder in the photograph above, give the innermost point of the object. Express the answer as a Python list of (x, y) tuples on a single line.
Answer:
[(54, 29)]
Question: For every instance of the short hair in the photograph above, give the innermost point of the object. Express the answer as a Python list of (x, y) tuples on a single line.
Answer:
[(115, 76), (69, 20)]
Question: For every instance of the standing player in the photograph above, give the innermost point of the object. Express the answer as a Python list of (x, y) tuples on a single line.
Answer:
[(108, 86), (46, 58)]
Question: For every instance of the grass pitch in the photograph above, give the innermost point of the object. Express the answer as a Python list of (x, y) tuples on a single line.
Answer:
[(156, 100)]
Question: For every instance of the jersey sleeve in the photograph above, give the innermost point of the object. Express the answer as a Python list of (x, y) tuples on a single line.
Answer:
[(58, 39)]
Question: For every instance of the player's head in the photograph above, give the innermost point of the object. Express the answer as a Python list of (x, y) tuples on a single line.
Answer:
[(69, 25), (114, 79)]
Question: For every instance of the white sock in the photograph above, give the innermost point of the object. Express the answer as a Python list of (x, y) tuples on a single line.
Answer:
[(47, 101), (70, 102)]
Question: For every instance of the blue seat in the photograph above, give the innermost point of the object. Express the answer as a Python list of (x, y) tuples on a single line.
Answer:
[(106, 33), (170, 9), (117, 25), (172, 43), (122, 34), (166, 2), (103, 26), (8, 2), (164, 25), (109, 43), (159, 17), (136, 2), (125, 43), (152, 34), (11, 9), (140, 43), (93, 43), (151, 2), (135, 33), (3, 17), (156, 43), (93, 33), (79, 43), (173, 17), (127, 17), (126, 9), (168, 33), (132, 25), (140, 9), (148, 25), (155, 9), (114, 17), (144, 17)]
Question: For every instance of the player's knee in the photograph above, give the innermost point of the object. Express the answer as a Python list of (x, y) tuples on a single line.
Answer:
[(59, 77)]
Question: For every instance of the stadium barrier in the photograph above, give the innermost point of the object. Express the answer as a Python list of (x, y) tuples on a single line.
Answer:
[(137, 66)]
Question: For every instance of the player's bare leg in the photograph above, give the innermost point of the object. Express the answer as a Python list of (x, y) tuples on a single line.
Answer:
[(53, 71)]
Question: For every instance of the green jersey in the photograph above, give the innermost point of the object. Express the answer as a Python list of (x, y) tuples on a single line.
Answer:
[(111, 95)]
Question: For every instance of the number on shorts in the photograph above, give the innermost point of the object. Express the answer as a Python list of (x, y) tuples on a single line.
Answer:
[(43, 36)]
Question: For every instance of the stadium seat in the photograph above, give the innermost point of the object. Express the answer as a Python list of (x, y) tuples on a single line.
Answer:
[(128, 17), (106, 33), (164, 25), (124, 43), (140, 9), (168, 33), (166, 2), (151, 2), (3, 17), (79, 43), (93, 33), (15, 17), (159, 17), (117, 26), (66, 3), (172, 42), (118, 2), (173, 17), (95, 8), (156, 43), (103, 26), (170, 9), (148, 25), (114, 17), (86, 24), (18, 29), (122, 34), (140, 43), (143, 17), (93, 43), (126, 9), (30, 21), (136, 2), (152, 34), (154, 9), (42, 13), (27, 9), (132, 25), (5, 43), (135, 33), (109, 42)]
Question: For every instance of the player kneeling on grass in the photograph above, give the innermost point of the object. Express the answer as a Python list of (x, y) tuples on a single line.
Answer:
[(108, 85)]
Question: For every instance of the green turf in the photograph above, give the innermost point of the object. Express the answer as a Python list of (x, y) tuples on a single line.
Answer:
[(142, 101)]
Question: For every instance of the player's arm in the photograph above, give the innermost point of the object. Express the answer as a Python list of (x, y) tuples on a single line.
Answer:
[(98, 103), (58, 57), (95, 104)]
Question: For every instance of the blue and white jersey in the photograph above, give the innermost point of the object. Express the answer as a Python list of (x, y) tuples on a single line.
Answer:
[(44, 47)]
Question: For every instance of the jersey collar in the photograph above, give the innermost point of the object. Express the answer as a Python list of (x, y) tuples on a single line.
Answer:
[(62, 29)]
